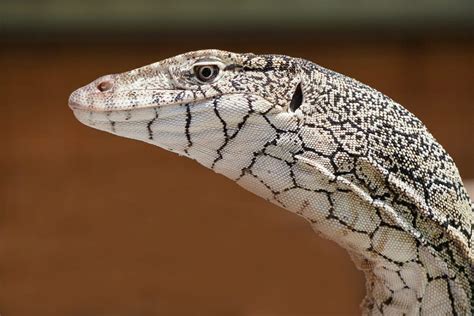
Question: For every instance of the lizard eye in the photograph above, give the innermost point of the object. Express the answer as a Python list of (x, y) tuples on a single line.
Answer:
[(206, 73)]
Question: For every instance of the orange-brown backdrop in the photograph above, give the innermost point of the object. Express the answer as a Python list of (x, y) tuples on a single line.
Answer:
[(93, 224)]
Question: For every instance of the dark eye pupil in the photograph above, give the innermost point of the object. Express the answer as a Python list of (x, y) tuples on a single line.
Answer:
[(206, 73)]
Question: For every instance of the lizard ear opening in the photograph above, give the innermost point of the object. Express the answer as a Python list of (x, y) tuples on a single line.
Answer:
[(297, 98)]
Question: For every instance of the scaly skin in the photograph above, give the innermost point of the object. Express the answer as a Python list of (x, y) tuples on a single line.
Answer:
[(358, 166)]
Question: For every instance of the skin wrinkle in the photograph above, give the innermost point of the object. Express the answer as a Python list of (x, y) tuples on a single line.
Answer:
[(393, 197)]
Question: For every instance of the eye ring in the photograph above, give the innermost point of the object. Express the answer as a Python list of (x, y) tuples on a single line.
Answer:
[(206, 73)]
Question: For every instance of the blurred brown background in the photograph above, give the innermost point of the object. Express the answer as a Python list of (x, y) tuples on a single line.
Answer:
[(93, 224)]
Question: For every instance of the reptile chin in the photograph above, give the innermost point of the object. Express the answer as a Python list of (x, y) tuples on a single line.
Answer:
[(148, 123), (86, 115)]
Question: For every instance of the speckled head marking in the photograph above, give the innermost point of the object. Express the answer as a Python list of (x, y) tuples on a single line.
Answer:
[(175, 81), (358, 166)]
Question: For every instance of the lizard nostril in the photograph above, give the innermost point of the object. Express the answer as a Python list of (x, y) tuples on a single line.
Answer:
[(104, 86)]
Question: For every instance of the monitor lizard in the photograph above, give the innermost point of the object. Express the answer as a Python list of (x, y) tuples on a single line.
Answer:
[(359, 167)]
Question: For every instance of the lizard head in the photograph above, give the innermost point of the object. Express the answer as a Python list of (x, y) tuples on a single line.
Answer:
[(196, 103)]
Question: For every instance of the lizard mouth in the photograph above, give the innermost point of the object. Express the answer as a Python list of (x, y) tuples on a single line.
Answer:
[(107, 95), (73, 105), (90, 117), (85, 100)]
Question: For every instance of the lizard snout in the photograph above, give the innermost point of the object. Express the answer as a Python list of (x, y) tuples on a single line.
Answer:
[(93, 95)]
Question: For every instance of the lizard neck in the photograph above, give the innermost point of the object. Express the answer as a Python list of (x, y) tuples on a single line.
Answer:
[(402, 276)]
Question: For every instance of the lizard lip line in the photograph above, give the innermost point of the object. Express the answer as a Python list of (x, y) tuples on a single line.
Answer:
[(75, 106), (87, 108)]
